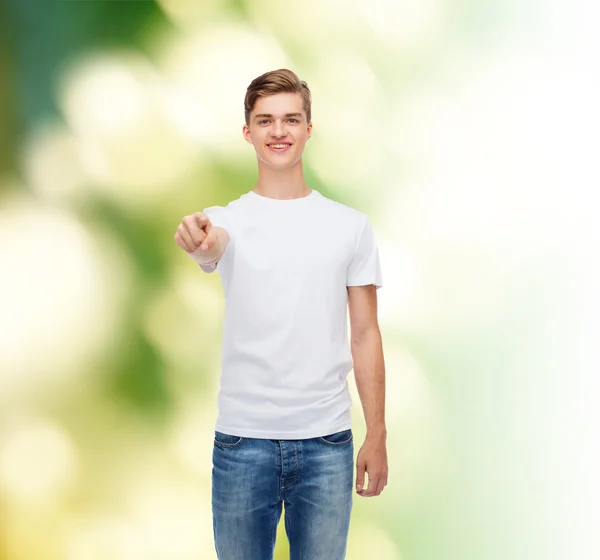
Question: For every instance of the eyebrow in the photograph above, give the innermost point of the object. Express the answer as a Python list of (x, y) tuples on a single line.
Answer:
[(267, 115)]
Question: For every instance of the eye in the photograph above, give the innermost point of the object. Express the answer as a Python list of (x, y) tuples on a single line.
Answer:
[(263, 121), (295, 121)]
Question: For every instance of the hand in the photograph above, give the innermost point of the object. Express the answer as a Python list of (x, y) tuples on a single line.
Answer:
[(196, 231), (372, 458)]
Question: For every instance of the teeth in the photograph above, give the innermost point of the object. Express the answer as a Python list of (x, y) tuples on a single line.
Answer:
[(279, 145)]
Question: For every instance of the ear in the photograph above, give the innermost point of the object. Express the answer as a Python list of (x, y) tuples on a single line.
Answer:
[(247, 134), (309, 129)]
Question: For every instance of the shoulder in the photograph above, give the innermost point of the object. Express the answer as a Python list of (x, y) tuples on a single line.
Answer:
[(355, 224), (226, 216), (229, 209), (349, 215)]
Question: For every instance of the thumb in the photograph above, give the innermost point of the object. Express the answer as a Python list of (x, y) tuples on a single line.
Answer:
[(360, 476), (210, 239)]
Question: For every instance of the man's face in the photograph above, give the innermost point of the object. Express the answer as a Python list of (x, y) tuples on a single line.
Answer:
[(278, 130)]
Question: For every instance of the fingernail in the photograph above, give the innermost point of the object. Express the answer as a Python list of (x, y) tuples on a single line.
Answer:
[(204, 247), (358, 487)]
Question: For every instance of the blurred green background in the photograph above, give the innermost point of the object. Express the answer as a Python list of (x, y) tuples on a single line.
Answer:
[(465, 130)]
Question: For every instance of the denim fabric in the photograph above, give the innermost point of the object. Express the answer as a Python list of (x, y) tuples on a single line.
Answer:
[(252, 479)]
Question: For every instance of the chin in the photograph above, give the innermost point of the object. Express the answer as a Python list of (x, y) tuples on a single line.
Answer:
[(279, 164)]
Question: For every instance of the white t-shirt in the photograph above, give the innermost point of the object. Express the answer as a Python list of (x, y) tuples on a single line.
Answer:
[(286, 354)]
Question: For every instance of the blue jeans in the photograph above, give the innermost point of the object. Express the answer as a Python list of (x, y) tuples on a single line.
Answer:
[(253, 478)]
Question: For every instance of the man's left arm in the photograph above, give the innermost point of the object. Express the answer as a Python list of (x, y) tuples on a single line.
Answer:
[(369, 372)]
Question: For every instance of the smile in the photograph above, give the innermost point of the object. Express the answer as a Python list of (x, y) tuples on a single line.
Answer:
[(279, 147)]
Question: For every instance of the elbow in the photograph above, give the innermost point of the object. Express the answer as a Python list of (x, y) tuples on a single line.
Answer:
[(368, 335)]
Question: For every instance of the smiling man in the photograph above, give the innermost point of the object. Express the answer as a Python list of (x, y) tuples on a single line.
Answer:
[(293, 264)]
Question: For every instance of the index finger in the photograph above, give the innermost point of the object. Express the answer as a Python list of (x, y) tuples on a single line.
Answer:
[(203, 221), (210, 239)]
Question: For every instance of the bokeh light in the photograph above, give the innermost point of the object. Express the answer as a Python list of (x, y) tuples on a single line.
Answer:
[(123, 115), (38, 460), (57, 306)]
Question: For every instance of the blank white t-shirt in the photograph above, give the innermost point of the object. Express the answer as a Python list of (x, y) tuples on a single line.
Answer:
[(286, 355)]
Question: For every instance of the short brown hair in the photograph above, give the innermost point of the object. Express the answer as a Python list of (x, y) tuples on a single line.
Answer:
[(276, 81)]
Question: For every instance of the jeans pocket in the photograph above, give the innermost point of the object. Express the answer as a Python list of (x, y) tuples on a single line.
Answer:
[(226, 440), (339, 438)]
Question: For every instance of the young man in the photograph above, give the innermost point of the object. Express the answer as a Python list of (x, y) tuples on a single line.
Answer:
[(292, 263)]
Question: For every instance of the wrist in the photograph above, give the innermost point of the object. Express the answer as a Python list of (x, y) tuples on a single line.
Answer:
[(378, 431), (204, 257)]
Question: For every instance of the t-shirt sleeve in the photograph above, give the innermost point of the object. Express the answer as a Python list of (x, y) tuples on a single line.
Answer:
[(365, 267), (219, 217)]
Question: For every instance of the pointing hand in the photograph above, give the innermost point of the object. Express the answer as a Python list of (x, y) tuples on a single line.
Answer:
[(196, 231)]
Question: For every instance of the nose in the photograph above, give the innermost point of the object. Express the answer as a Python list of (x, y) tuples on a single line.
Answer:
[(278, 129)]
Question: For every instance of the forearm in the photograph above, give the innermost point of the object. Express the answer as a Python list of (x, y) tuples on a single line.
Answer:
[(369, 373), (213, 254)]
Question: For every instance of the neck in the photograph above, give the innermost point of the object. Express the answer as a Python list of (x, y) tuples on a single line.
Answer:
[(281, 183)]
